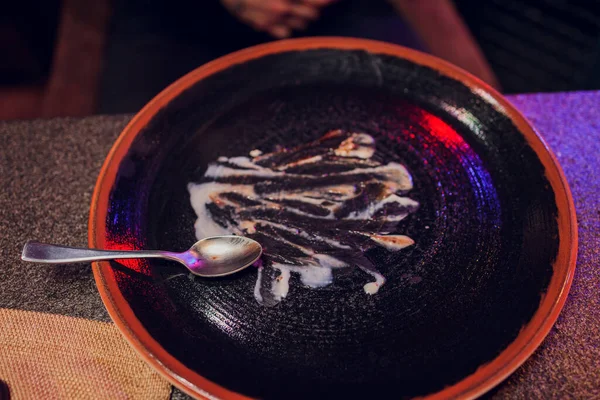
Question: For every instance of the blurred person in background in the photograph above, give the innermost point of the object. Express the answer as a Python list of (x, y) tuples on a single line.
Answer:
[(151, 44)]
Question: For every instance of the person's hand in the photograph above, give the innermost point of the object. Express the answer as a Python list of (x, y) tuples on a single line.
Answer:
[(276, 17)]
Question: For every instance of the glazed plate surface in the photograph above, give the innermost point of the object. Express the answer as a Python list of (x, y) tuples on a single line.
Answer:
[(494, 235)]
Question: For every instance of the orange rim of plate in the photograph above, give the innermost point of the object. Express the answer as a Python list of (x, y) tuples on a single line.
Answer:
[(487, 375)]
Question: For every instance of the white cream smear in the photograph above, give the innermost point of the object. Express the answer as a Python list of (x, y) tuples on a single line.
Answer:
[(314, 208)]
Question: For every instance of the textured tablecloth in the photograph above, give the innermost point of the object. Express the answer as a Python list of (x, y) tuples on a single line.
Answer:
[(48, 169)]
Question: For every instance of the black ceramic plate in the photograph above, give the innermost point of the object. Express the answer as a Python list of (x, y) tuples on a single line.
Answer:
[(495, 237)]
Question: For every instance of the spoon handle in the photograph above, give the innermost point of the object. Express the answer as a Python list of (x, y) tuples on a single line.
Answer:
[(54, 254)]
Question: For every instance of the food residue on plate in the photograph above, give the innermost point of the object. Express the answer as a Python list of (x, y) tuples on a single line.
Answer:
[(314, 208)]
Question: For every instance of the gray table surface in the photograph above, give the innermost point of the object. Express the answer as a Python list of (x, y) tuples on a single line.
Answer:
[(48, 169)]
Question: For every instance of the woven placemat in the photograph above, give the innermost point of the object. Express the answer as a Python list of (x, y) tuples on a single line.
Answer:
[(47, 356)]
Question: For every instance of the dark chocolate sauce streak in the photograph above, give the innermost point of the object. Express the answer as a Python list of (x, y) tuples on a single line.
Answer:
[(313, 208)]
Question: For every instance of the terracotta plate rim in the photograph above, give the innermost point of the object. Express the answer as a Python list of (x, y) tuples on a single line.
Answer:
[(486, 376)]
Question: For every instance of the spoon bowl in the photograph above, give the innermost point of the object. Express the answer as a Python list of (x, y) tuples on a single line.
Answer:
[(210, 257), (218, 255)]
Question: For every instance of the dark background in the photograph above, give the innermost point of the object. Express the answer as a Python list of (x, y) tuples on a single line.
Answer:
[(72, 57)]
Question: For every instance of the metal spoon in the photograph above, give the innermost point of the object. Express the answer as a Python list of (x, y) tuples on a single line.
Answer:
[(210, 257)]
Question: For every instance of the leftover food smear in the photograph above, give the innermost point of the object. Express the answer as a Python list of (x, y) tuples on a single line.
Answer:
[(313, 208)]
